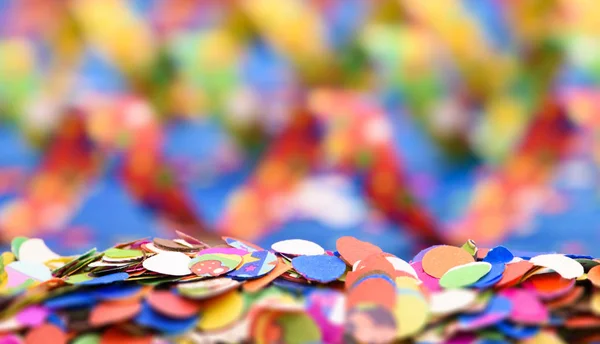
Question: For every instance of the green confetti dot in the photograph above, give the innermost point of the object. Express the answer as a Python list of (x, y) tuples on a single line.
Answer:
[(118, 253), (464, 275), (15, 245), (79, 278), (90, 338), (299, 328)]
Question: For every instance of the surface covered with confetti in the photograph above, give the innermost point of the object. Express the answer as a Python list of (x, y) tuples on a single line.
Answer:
[(228, 290)]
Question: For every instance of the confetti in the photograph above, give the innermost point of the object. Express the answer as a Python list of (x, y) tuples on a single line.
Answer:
[(464, 275), (528, 309), (257, 284), (412, 308), (513, 272), (437, 261), (35, 251), (222, 311), (568, 268), (171, 304), (46, 333), (169, 263), (594, 276), (451, 301), (214, 264), (498, 309), (297, 247), (319, 268), (208, 288), (380, 298), (255, 264), (353, 250), (107, 313)]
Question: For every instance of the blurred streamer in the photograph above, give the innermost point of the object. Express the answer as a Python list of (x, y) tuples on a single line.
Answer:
[(398, 122)]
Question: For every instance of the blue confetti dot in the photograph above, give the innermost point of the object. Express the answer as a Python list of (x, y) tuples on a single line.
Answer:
[(321, 268)]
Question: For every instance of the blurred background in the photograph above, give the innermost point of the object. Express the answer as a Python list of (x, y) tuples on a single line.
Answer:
[(404, 123)]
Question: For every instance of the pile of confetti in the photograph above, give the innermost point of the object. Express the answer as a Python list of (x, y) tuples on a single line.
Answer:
[(185, 290)]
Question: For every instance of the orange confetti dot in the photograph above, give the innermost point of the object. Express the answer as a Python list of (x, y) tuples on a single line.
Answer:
[(46, 333), (594, 276)]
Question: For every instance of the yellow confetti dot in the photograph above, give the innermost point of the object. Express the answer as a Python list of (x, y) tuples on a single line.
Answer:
[(8, 257), (544, 337), (595, 303), (411, 313), (222, 311)]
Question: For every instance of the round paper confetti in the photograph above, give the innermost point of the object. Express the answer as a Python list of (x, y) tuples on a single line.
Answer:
[(241, 244), (214, 264), (170, 245), (450, 301), (235, 333), (549, 286), (375, 262), (298, 328), (352, 250), (46, 333), (513, 273), (119, 254), (71, 300), (106, 279), (594, 276), (89, 338), (499, 254), (113, 312), (372, 290), (297, 247), (224, 250), (528, 310), (118, 292), (371, 324), (207, 288), (323, 268), (399, 265), (498, 309), (412, 309), (327, 309), (464, 275), (35, 251), (115, 335), (569, 299), (191, 240), (517, 331), (221, 311), (491, 278), (169, 263), (595, 303), (16, 243), (169, 304), (149, 318), (568, 268), (32, 316), (421, 254), (37, 271), (439, 260), (78, 278), (257, 284), (432, 283), (254, 265)]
